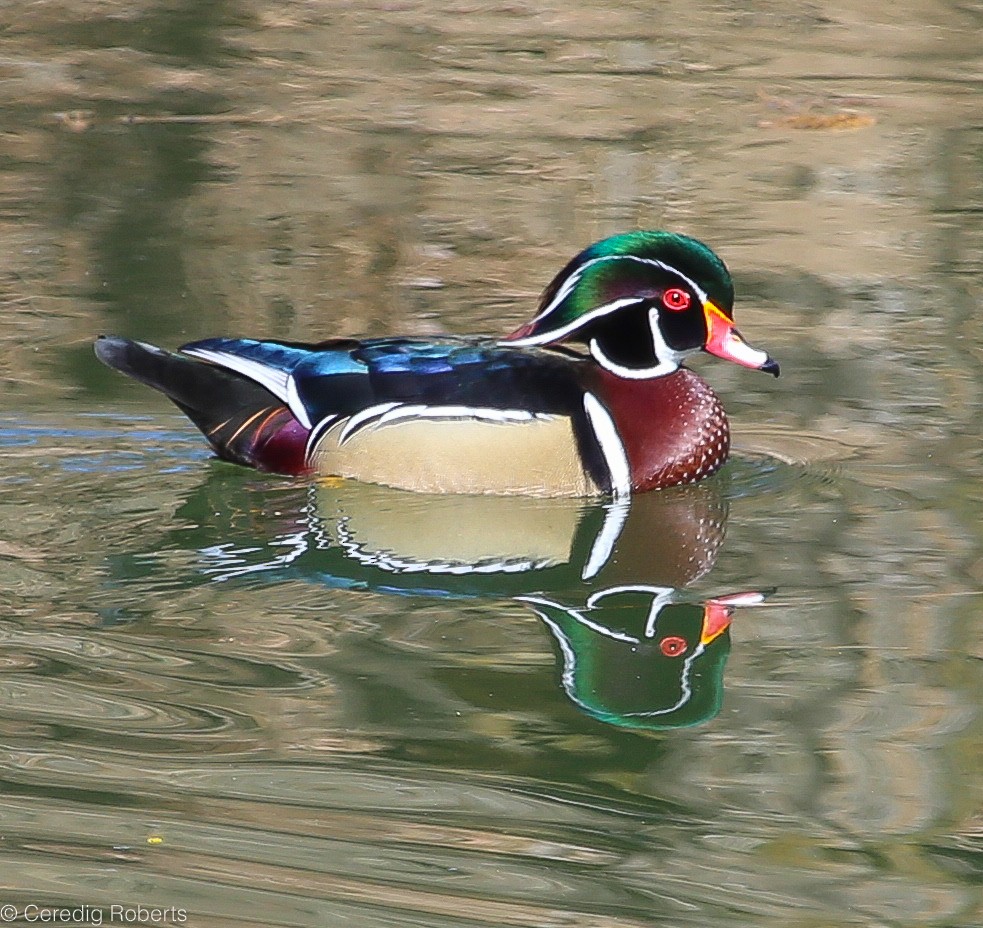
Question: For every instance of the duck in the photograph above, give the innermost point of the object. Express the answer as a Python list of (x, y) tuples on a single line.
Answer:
[(590, 398)]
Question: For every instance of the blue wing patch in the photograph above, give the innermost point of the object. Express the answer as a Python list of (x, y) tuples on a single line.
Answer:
[(279, 356), (341, 378)]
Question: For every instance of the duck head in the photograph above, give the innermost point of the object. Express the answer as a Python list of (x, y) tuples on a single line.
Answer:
[(642, 302)]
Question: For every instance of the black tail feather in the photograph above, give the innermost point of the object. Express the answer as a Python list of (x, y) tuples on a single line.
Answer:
[(224, 405)]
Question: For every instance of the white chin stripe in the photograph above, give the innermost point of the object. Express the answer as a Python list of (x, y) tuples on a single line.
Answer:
[(669, 359), (630, 373)]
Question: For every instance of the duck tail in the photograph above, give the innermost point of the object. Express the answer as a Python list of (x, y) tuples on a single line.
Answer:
[(241, 419)]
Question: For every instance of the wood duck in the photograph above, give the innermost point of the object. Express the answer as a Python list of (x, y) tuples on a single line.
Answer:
[(589, 398)]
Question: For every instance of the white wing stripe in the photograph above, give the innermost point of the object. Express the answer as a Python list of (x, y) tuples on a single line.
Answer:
[(316, 434), (360, 417), (275, 381), (281, 384), (296, 405), (388, 413), (455, 412)]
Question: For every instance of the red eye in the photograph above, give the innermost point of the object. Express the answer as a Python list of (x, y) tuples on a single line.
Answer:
[(676, 300), (672, 646)]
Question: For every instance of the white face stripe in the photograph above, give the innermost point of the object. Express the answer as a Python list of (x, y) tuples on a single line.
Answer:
[(669, 358), (663, 594), (653, 616), (630, 373), (611, 446), (578, 615), (556, 334), (662, 350), (568, 286)]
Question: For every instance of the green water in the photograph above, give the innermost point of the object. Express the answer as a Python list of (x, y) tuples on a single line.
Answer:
[(240, 699)]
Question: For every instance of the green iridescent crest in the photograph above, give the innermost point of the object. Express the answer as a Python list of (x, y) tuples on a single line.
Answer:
[(622, 269), (687, 255)]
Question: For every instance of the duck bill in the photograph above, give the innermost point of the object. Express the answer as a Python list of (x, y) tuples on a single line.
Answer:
[(726, 342), (716, 620), (718, 612)]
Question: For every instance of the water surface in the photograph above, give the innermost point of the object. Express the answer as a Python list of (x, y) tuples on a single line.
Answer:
[(264, 702)]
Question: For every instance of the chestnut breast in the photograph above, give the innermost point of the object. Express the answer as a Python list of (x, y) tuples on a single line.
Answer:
[(673, 428)]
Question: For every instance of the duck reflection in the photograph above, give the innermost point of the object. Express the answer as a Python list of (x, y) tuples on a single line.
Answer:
[(632, 657), (604, 579)]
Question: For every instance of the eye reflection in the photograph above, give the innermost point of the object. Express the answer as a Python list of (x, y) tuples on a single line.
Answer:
[(672, 646)]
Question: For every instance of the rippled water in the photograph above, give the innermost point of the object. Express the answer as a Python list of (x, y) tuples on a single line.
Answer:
[(753, 702)]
